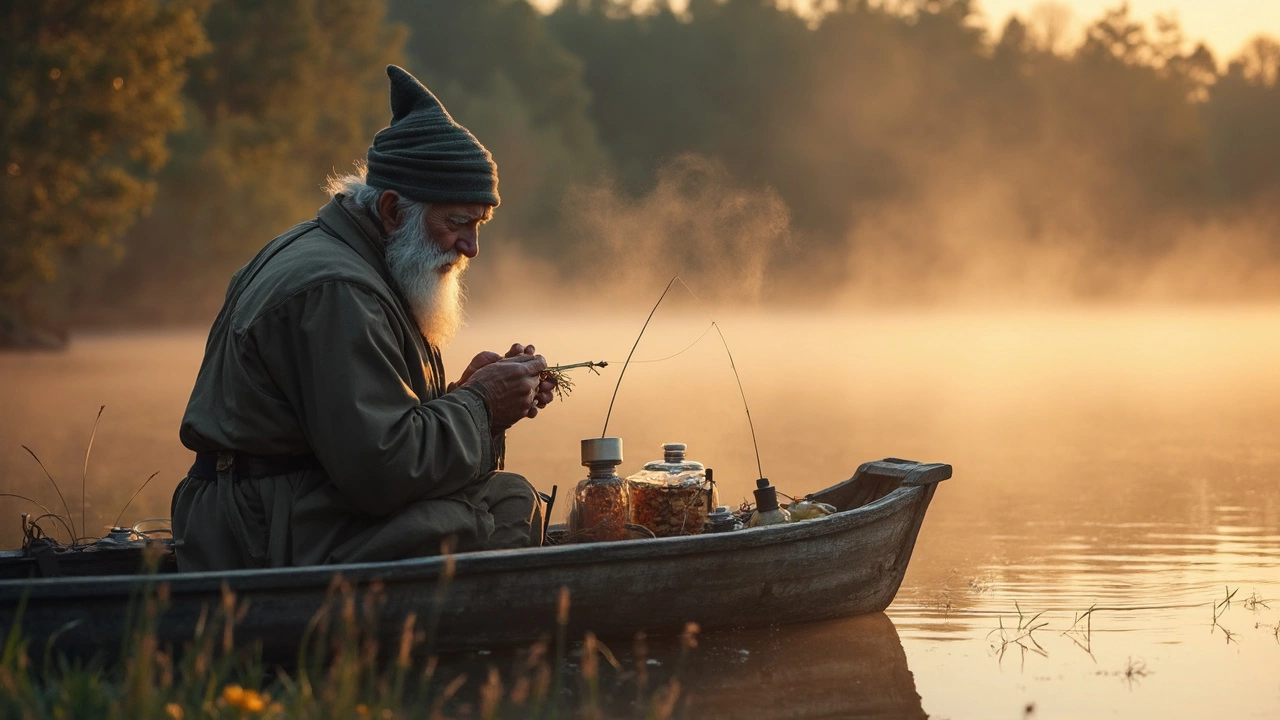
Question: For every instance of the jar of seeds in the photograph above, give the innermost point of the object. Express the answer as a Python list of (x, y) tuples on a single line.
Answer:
[(671, 496)]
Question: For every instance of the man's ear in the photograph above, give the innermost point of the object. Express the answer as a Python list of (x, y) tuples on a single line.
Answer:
[(389, 210)]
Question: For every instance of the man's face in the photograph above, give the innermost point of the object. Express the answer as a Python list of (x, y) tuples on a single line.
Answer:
[(456, 226), (427, 255)]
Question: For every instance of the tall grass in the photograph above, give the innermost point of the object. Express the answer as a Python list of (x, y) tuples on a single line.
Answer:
[(341, 672)]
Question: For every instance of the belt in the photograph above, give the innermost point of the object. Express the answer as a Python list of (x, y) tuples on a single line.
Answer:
[(253, 467)]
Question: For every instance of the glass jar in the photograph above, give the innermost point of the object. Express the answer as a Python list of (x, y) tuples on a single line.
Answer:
[(601, 506), (671, 496)]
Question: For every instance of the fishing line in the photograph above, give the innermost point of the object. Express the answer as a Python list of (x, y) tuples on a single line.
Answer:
[(732, 365), (675, 355)]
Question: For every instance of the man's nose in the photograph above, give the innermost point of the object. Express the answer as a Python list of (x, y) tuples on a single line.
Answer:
[(468, 242)]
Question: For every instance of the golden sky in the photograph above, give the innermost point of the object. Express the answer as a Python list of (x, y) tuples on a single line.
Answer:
[(1224, 24)]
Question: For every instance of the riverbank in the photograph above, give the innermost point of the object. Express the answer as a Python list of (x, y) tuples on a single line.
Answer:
[(340, 672), (17, 337)]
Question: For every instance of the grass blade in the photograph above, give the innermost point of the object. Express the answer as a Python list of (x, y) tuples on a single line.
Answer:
[(116, 523), (65, 507), (84, 475)]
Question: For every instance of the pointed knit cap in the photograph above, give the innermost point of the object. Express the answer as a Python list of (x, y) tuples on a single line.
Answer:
[(424, 154)]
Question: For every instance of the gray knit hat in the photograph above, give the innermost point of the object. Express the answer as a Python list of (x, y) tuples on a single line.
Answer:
[(424, 154)]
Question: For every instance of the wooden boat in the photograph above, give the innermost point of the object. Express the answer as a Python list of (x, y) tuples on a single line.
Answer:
[(848, 563)]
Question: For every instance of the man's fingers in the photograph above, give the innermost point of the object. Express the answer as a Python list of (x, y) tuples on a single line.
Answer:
[(488, 357), (482, 359), (513, 388), (516, 349), (535, 363)]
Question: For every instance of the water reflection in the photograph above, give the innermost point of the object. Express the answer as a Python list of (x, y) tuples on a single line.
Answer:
[(847, 668)]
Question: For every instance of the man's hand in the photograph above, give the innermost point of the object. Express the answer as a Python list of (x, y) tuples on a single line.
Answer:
[(489, 357), (546, 388), (513, 386)]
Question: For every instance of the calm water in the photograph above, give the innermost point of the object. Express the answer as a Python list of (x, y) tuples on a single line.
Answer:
[(1121, 460)]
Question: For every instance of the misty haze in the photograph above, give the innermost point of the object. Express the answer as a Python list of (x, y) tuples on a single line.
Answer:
[(1045, 251)]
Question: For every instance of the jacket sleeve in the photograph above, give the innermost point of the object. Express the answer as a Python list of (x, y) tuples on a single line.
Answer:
[(335, 352)]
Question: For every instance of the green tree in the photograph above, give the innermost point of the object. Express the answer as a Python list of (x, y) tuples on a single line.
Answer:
[(1243, 114), (291, 92), (89, 91), (502, 74), (1133, 97)]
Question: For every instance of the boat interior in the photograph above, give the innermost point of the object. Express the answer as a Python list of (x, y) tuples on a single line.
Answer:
[(127, 551)]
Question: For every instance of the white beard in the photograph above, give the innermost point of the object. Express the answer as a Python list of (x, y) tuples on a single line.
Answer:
[(435, 297)]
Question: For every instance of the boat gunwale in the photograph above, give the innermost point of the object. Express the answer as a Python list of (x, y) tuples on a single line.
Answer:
[(474, 563)]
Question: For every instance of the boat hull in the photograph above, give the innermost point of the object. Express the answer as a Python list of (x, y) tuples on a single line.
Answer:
[(849, 563)]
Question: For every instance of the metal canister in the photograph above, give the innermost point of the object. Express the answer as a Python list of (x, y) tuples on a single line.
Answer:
[(720, 520)]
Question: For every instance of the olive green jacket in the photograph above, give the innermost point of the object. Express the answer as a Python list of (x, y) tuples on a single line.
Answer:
[(315, 354)]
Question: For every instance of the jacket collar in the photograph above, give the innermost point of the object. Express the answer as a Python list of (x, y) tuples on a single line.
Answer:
[(357, 230)]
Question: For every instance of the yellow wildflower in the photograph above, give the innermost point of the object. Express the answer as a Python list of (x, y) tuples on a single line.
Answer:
[(252, 702), (246, 700)]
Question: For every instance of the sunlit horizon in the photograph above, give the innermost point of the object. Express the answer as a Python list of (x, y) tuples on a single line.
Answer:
[(1224, 25)]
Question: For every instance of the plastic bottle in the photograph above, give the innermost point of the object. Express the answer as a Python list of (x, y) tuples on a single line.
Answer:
[(767, 510), (601, 505), (671, 496)]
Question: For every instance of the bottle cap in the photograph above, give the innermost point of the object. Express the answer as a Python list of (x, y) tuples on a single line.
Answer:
[(600, 450), (766, 496)]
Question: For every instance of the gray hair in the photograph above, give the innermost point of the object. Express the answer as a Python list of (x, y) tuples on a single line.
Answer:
[(356, 190)]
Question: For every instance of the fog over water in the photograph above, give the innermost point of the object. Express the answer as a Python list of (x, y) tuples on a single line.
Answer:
[(1043, 251), (1110, 457)]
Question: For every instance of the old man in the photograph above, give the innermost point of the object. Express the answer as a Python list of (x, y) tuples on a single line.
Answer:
[(322, 423)]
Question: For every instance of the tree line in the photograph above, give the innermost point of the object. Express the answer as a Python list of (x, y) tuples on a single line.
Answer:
[(151, 146)]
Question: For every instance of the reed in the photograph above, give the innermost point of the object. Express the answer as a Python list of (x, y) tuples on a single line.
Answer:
[(76, 534), (1220, 608), (342, 672), (1255, 601), (1082, 636), (1135, 670), (1021, 636)]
